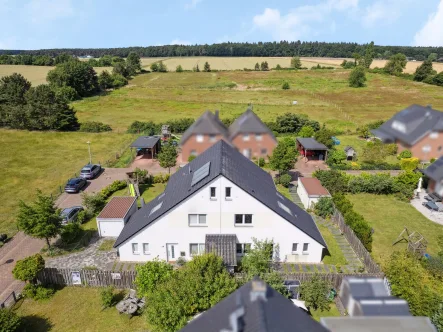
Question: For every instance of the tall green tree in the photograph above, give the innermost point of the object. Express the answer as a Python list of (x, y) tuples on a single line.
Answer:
[(257, 67), (120, 69), (133, 63), (357, 77), (423, 71), (396, 64), (167, 157), (105, 80), (283, 157), (64, 57), (315, 293), (76, 74), (40, 219), (306, 131), (432, 57), (357, 58), (295, 62), (369, 55), (9, 321), (13, 89), (264, 66), (207, 67), (324, 136)]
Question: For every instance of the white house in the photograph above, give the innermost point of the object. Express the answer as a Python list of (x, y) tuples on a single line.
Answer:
[(219, 202), (310, 190), (114, 216)]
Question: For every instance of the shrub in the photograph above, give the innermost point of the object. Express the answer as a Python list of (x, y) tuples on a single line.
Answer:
[(70, 232), (334, 181), (179, 69), (118, 80), (94, 127), (93, 202), (181, 261), (37, 292), (161, 178), (66, 93), (285, 86), (357, 78), (148, 128), (191, 158), (409, 164), (336, 157), (28, 268), (324, 207), (113, 187), (107, 296), (306, 131), (404, 154), (285, 180), (9, 321), (315, 293), (261, 162)]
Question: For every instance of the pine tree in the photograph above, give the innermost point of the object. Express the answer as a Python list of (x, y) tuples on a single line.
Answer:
[(257, 66), (207, 67)]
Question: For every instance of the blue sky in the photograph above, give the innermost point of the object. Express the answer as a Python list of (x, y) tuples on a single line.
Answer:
[(35, 24)]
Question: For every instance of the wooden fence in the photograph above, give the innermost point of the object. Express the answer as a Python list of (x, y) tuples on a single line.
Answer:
[(356, 244), (92, 278)]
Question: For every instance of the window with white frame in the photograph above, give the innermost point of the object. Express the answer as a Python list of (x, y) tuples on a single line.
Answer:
[(246, 137), (146, 248), (135, 249), (199, 138), (196, 249), (212, 138), (228, 193), (426, 148), (294, 248), (197, 220), (433, 135), (305, 247), (193, 153), (243, 248), (243, 219), (213, 193), (258, 137)]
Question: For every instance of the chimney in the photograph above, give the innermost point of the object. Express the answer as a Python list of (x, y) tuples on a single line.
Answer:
[(216, 115)]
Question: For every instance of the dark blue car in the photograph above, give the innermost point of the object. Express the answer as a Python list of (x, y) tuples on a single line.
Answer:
[(75, 185)]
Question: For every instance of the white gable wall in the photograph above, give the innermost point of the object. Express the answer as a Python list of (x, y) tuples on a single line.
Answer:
[(174, 228)]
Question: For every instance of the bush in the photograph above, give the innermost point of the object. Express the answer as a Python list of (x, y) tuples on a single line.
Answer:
[(161, 178), (285, 86), (324, 207), (179, 69), (9, 321), (113, 187), (409, 164), (285, 180), (191, 158), (142, 175), (28, 268), (404, 154), (357, 78), (150, 275), (315, 293), (94, 127), (70, 232), (261, 162), (148, 128), (66, 93), (118, 80), (93, 202), (37, 292), (107, 296), (83, 216)]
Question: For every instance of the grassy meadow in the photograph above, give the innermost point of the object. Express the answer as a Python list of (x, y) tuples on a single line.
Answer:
[(45, 160)]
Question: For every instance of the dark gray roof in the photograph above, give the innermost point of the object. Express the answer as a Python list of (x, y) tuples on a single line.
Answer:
[(349, 148), (145, 142), (207, 124), (311, 144), (379, 324), (255, 307), (224, 245), (227, 161), (417, 121), (435, 170), (249, 123), (387, 306)]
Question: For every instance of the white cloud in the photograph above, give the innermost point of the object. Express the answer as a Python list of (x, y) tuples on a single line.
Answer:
[(48, 10), (381, 12), (180, 42), (192, 4), (432, 32)]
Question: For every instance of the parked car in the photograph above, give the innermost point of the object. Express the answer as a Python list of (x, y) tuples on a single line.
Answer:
[(75, 185), (70, 214), (90, 171)]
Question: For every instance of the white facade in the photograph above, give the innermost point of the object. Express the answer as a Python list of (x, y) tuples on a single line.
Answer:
[(112, 227), (307, 200), (171, 236)]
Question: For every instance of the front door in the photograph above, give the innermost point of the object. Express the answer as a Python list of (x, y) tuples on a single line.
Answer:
[(172, 251)]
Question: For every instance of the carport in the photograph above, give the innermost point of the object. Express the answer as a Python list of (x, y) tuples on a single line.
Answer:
[(147, 146), (311, 149)]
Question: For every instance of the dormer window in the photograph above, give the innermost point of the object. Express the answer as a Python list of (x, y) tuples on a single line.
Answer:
[(258, 137), (433, 135), (199, 138), (212, 138), (401, 127), (246, 137)]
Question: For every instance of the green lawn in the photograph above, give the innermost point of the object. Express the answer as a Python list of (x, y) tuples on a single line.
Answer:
[(388, 216), (284, 191), (76, 309), (335, 254), (149, 192), (358, 144), (333, 312), (45, 161)]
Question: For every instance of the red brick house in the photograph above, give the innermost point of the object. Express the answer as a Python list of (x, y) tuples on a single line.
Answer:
[(247, 133), (416, 128)]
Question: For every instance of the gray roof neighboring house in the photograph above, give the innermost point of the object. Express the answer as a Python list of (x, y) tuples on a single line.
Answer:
[(349, 148), (224, 245), (410, 125), (311, 144), (435, 170), (223, 160), (254, 307), (145, 142), (248, 123), (207, 124)]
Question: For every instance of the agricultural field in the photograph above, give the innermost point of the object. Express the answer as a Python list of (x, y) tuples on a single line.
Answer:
[(35, 74), (45, 161)]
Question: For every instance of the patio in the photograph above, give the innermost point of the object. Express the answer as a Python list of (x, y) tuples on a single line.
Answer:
[(432, 215)]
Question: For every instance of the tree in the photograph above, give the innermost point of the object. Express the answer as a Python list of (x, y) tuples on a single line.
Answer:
[(118, 80), (65, 94), (285, 180), (369, 55), (306, 131), (423, 71), (396, 64), (196, 68), (13, 89), (292, 123), (264, 66), (28, 268), (315, 293), (324, 136), (296, 63), (9, 321), (76, 74), (179, 69), (357, 78), (283, 157), (337, 156), (150, 275), (154, 67), (162, 67), (207, 67), (285, 86), (105, 80), (257, 67), (167, 156), (438, 79), (432, 57), (133, 63), (40, 219), (356, 57), (120, 69), (64, 57)]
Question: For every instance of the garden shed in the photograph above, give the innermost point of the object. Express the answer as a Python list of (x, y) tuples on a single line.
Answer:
[(114, 215), (350, 153), (310, 191), (147, 146), (311, 149)]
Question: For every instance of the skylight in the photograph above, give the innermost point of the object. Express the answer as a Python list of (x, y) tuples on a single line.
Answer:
[(155, 208), (278, 194), (161, 195), (201, 173), (399, 126), (284, 207)]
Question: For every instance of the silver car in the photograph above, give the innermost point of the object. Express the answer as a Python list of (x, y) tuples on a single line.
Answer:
[(70, 214), (90, 171)]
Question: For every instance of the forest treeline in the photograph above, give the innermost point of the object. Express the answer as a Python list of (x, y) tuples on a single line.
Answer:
[(283, 48)]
